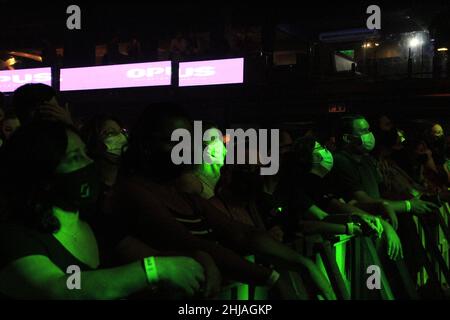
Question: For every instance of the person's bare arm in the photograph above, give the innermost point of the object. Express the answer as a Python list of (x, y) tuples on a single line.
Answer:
[(37, 277), (156, 224)]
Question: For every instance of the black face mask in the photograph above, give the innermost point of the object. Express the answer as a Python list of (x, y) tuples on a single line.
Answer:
[(77, 190)]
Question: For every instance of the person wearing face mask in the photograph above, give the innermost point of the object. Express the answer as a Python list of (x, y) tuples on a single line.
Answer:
[(356, 176), (307, 202), (310, 204), (105, 140), (397, 184), (49, 180), (435, 139), (202, 178), (167, 218)]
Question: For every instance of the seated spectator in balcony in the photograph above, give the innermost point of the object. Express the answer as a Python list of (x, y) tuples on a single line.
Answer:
[(134, 50), (43, 233), (193, 49), (164, 218), (37, 101), (178, 46)]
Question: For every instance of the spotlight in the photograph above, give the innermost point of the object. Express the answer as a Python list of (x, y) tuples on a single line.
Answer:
[(414, 42)]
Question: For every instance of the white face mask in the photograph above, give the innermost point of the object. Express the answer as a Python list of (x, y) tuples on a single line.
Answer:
[(115, 144), (368, 141), (326, 157), (217, 152)]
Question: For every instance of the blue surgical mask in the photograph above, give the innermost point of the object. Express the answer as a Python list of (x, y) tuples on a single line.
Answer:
[(115, 144), (368, 141), (326, 161)]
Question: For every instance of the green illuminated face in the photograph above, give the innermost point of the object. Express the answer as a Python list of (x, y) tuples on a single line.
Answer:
[(316, 158), (362, 139), (216, 148), (75, 157), (437, 131), (360, 127)]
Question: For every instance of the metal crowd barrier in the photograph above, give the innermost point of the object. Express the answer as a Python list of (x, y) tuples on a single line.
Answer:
[(344, 261), (434, 232)]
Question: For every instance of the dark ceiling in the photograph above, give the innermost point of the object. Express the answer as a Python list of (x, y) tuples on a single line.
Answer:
[(25, 24)]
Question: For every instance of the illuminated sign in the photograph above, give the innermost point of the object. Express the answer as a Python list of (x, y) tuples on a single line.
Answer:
[(116, 76), (10, 80), (210, 72)]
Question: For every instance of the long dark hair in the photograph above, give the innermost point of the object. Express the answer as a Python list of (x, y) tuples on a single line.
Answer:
[(90, 132), (29, 161)]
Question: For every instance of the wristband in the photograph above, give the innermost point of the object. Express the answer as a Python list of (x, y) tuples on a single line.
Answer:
[(408, 205), (150, 270), (350, 228), (274, 276)]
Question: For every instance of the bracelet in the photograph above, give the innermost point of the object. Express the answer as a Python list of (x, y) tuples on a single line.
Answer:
[(150, 270), (408, 205), (274, 276)]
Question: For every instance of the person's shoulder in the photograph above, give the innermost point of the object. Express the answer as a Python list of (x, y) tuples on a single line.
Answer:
[(189, 183), (131, 184), (342, 159), (341, 155)]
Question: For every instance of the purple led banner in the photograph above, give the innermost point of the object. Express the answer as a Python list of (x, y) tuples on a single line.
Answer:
[(10, 80), (116, 76), (200, 73)]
